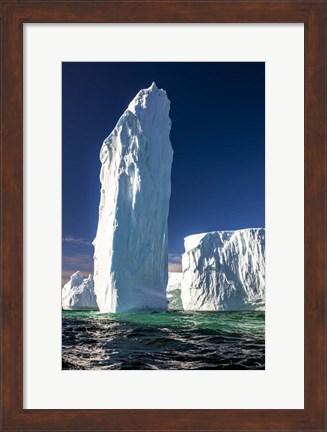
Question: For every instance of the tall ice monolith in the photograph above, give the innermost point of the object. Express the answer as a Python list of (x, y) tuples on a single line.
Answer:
[(130, 248)]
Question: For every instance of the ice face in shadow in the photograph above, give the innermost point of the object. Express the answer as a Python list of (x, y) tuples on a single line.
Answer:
[(78, 293), (224, 270), (130, 248), (174, 287)]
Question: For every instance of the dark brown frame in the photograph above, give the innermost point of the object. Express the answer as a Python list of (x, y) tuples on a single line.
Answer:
[(14, 13)]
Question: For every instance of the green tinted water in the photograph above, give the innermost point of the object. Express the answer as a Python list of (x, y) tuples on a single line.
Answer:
[(253, 322)]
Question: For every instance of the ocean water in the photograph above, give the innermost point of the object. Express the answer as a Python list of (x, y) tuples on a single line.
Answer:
[(172, 340)]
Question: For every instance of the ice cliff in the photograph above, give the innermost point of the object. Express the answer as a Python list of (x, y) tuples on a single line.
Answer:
[(224, 270), (174, 287), (130, 248), (78, 293)]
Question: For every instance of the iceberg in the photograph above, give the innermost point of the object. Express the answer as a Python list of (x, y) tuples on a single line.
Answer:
[(130, 247), (174, 287), (224, 270), (78, 293)]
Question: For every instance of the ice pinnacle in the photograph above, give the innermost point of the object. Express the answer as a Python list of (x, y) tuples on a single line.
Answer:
[(130, 248)]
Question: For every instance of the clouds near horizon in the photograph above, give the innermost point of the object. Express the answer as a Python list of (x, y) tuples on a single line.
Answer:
[(77, 240), (175, 263), (78, 261)]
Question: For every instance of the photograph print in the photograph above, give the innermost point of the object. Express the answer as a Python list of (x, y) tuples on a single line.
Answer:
[(163, 215)]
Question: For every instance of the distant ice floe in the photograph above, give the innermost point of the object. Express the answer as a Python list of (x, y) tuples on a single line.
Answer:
[(78, 293), (174, 287)]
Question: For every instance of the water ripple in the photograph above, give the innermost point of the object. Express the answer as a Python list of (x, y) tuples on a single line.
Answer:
[(174, 340)]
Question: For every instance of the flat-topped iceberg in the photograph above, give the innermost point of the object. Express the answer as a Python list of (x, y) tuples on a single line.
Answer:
[(78, 293), (174, 287), (130, 248), (224, 270)]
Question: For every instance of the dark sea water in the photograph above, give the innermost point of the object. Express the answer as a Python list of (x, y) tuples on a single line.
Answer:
[(172, 340)]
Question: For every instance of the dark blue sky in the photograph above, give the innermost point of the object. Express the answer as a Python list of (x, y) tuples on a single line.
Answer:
[(218, 137)]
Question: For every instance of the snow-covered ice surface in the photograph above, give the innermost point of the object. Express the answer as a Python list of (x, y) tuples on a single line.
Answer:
[(78, 293), (174, 287), (130, 248), (224, 270)]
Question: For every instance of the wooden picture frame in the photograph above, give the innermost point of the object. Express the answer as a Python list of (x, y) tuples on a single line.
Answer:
[(14, 14)]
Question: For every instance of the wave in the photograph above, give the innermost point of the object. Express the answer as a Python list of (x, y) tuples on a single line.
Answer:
[(174, 340)]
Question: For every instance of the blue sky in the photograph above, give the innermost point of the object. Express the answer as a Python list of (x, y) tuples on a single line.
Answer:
[(218, 137)]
